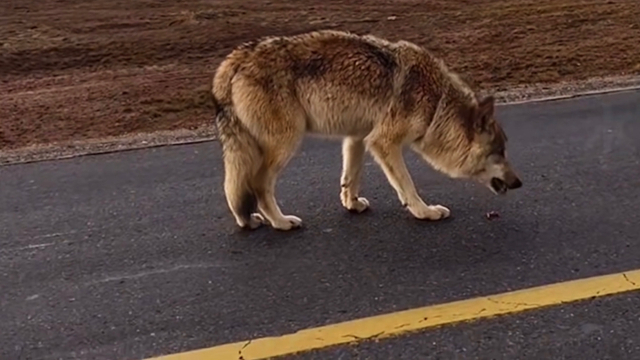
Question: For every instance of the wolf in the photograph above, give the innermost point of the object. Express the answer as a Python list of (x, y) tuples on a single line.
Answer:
[(376, 95)]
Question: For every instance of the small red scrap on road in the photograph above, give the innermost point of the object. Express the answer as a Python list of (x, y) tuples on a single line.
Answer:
[(492, 215)]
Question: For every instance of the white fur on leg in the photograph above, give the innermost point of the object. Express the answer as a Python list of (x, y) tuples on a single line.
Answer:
[(353, 150), (255, 222)]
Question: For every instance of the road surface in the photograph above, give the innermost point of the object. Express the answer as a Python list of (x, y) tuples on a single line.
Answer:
[(134, 254)]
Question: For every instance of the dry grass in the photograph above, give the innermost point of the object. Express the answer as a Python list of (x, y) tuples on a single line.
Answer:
[(80, 69)]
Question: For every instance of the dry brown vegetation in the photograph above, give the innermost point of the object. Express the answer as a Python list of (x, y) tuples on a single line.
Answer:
[(82, 69)]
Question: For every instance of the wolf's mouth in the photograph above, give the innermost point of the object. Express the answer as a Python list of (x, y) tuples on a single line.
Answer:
[(498, 185)]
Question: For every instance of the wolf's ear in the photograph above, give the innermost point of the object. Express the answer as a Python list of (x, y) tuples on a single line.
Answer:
[(484, 113)]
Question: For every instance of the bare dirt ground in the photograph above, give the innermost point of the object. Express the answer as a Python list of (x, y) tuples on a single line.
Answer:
[(85, 69)]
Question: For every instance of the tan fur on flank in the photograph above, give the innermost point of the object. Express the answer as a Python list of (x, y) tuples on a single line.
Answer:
[(378, 96)]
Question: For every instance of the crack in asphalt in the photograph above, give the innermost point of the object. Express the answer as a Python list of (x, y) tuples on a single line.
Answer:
[(628, 280), (514, 304), (355, 337), (240, 357)]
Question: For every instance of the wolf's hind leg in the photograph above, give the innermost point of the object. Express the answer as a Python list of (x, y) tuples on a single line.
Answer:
[(278, 125), (241, 198), (264, 184)]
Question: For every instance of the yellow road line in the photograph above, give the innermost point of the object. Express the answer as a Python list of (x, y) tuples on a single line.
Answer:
[(396, 323)]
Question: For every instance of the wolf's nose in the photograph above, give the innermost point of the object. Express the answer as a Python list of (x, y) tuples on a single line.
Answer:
[(515, 184)]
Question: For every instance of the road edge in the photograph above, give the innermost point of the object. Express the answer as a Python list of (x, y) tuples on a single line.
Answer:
[(206, 133)]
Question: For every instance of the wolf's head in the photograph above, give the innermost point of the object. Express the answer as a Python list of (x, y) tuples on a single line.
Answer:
[(487, 159), (467, 142)]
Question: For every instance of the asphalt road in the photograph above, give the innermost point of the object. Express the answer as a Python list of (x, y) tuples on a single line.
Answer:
[(134, 254), (603, 329)]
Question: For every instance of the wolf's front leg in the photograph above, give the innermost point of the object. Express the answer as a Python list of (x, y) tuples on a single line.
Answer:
[(389, 156), (352, 160)]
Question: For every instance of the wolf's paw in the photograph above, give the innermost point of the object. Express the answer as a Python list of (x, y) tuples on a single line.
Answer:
[(444, 211), (288, 222), (255, 221), (355, 204), (430, 212)]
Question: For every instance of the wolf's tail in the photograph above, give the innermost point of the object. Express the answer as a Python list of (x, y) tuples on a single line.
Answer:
[(241, 152)]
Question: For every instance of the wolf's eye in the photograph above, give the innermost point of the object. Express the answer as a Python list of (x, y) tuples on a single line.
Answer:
[(498, 148)]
